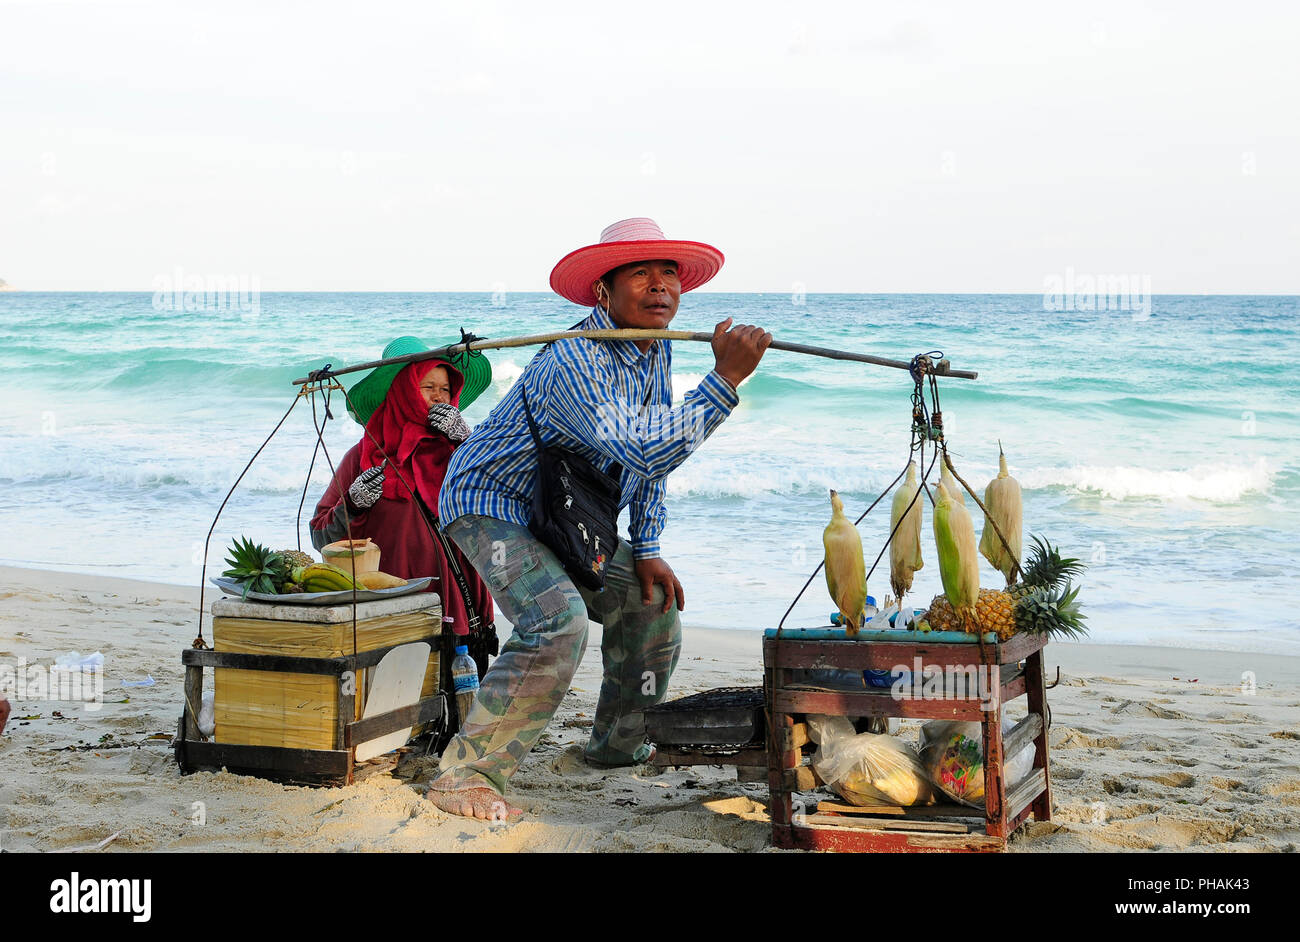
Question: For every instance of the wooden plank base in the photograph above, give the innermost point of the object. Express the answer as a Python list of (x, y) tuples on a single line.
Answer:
[(885, 824), (822, 837), (296, 766)]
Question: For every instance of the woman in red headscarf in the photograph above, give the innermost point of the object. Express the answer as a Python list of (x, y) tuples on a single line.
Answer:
[(386, 482)]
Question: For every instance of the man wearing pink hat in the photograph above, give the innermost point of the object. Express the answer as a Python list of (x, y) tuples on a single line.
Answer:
[(610, 402)]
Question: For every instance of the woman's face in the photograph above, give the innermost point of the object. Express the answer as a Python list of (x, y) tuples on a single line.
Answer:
[(436, 386)]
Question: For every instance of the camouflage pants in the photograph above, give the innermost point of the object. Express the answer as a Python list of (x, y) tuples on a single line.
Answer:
[(525, 684)]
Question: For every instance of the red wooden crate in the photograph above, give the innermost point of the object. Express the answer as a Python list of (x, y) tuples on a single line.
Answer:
[(914, 829)]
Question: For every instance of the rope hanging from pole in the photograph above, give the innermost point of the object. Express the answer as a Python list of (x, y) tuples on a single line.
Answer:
[(927, 419), (923, 431), (927, 426)]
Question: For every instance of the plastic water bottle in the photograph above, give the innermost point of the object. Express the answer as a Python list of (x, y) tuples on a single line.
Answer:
[(464, 675), (869, 613)]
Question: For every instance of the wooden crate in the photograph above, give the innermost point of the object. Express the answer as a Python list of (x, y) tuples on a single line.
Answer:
[(799, 823), (290, 688), (300, 711)]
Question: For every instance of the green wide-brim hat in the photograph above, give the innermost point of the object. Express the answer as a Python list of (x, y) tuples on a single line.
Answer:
[(368, 393)]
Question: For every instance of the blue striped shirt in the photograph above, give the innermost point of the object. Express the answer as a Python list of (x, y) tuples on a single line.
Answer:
[(587, 396)]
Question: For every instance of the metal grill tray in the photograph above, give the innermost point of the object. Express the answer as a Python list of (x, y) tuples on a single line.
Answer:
[(344, 597), (724, 716)]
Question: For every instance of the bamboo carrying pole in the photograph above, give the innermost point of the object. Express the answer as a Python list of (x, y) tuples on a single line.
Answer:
[(940, 369)]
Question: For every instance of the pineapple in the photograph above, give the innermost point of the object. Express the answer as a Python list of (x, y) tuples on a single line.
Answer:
[(259, 569), (296, 559), (1051, 610), (1045, 603), (994, 611)]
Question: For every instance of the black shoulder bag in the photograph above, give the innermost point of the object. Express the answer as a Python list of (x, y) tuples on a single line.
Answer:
[(575, 509)]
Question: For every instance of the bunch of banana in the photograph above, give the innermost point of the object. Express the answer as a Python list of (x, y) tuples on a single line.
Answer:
[(1002, 499), (322, 577)]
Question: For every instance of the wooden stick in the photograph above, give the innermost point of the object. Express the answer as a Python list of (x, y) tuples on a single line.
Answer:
[(1022, 734), (193, 702), (940, 369)]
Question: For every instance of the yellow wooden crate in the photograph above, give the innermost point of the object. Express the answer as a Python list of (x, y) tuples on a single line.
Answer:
[(300, 711)]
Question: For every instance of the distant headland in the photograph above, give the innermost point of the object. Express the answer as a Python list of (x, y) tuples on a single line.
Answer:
[(5, 286)]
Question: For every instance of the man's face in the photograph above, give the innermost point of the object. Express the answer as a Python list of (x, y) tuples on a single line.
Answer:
[(644, 294)]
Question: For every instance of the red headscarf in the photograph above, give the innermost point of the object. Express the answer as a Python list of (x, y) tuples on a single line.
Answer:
[(401, 427)]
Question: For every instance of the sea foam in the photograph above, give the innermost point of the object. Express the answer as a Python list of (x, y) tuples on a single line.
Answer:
[(1226, 481)]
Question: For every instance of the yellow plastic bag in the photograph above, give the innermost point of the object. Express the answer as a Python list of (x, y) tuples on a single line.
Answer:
[(867, 768)]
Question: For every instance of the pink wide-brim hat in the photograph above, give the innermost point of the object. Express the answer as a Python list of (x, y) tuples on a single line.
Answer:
[(626, 241)]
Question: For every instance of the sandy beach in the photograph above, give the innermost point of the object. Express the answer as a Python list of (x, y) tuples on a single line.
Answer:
[(1155, 749)]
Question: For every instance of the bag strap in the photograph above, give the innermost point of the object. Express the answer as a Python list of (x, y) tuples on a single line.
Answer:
[(523, 389), (532, 426), (649, 387), (461, 581)]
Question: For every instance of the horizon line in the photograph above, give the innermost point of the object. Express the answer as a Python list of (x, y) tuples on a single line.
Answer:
[(11, 289)]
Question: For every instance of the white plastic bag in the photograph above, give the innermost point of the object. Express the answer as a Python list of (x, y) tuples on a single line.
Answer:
[(75, 661), (207, 714), (867, 768), (953, 756)]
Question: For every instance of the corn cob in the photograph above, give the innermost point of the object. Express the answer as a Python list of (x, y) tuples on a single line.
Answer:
[(954, 538), (955, 490), (905, 544), (1003, 502), (846, 569)]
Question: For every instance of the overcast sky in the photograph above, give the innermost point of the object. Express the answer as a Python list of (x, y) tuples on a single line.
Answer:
[(847, 147)]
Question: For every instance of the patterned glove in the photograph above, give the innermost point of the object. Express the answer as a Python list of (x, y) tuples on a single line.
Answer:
[(445, 418), (367, 488)]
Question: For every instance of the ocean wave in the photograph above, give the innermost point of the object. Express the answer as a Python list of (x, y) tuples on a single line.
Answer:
[(717, 479), (222, 377), (504, 374), (123, 463), (1210, 482), (204, 478), (684, 383)]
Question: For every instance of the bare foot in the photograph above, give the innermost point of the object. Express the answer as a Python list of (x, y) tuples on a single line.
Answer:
[(481, 803)]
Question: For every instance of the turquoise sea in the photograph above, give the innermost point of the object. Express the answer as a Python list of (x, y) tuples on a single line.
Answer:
[(1164, 449)]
